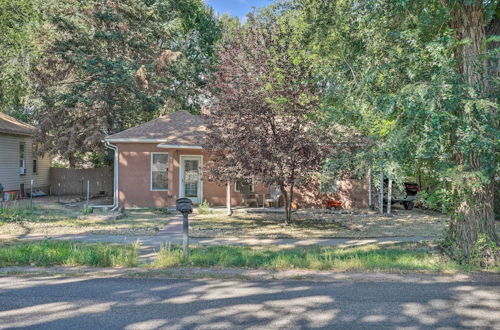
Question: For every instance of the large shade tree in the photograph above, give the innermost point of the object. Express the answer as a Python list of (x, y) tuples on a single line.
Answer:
[(419, 79), (18, 18), (265, 103), (108, 65), (473, 141)]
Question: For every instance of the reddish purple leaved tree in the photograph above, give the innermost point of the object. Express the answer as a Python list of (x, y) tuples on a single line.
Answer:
[(262, 121)]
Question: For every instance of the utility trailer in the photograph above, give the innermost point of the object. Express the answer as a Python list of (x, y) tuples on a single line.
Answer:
[(406, 198)]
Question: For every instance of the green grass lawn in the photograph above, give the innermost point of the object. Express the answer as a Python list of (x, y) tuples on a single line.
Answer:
[(407, 257), (64, 253), (401, 257)]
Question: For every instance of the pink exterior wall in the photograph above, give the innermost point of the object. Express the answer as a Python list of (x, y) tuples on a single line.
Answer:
[(352, 193), (134, 179), (134, 182)]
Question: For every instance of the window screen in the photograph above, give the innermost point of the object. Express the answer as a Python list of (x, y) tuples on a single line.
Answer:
[(159, 171)]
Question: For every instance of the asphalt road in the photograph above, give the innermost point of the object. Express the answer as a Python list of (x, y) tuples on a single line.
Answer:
[(122, 303)]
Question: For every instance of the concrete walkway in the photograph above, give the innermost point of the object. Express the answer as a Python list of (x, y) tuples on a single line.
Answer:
[(177, 239), (172, 233), (173, 227)]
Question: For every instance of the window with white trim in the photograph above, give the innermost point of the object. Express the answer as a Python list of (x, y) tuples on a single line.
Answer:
[(22, 158), (159, 171), (244, 185), (34, 159)]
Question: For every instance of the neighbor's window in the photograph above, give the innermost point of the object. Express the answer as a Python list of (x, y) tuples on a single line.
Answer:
[(244, 186), (159, 171), (22, 160), (35, 166)]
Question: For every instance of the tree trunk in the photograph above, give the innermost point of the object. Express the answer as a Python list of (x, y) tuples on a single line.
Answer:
[(473, 218), (290, 194), (72, 161), (287, 196)]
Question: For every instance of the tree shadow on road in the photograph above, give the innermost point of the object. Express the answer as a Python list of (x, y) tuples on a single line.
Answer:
[(62, 303)]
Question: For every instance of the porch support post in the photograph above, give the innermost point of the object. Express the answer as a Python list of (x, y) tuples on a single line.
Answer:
[(228, 198)]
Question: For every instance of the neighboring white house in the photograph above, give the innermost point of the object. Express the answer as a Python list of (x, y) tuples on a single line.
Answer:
[(18, 162)]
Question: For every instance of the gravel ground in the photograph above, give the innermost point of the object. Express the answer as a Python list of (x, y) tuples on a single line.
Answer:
[(53, 218), (310, 224)]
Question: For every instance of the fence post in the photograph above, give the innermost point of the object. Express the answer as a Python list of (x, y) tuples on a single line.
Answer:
[(389, 196), (88, 192), (370, 206), (381, 195), (31, 195)]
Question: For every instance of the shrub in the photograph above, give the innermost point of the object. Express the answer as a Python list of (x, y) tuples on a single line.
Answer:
[(87, 210), (14, 214), (204, 208)]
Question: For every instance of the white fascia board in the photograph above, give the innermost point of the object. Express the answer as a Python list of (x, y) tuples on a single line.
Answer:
[(135, 140), (177, 146)]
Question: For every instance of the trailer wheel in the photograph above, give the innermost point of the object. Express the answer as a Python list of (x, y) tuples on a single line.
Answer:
[(408, 205)]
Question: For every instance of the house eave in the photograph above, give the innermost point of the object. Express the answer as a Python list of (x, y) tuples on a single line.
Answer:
[(161, 143), (122, 140), (178, 146), (8, 132)]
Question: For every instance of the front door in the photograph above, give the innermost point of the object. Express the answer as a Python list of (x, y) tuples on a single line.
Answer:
[(190, 181)]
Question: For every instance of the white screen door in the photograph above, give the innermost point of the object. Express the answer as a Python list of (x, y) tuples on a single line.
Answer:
[(191, 178)]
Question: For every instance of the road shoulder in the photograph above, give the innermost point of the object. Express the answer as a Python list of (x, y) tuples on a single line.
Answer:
[(247, 274)]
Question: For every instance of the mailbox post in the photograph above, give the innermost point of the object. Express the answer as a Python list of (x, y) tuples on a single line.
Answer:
[(185, 206)]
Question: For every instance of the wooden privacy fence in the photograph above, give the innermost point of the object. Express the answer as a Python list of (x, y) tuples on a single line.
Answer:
[(70, 181)]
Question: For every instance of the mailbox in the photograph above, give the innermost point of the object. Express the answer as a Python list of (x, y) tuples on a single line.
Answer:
[(184, 205)]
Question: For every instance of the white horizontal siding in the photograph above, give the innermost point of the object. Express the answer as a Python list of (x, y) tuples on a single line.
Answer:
[(42, 179), (9, 164)]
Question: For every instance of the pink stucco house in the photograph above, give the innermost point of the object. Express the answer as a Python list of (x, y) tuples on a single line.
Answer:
[(162, 160)]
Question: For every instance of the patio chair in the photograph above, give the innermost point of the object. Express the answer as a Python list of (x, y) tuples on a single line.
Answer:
[(249, 199), (269, 199)]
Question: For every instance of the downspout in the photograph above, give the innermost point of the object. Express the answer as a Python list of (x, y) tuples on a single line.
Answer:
[(116, 203)]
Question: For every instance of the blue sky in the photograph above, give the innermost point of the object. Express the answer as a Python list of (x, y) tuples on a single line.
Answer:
[(236, 7)]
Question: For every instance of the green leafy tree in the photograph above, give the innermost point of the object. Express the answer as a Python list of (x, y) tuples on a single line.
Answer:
[(18, 18), (108, 65), (416, 77)]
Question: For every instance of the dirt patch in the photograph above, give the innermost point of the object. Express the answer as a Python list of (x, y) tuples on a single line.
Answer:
[(315, 224), (246, 274), (52, 218)]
